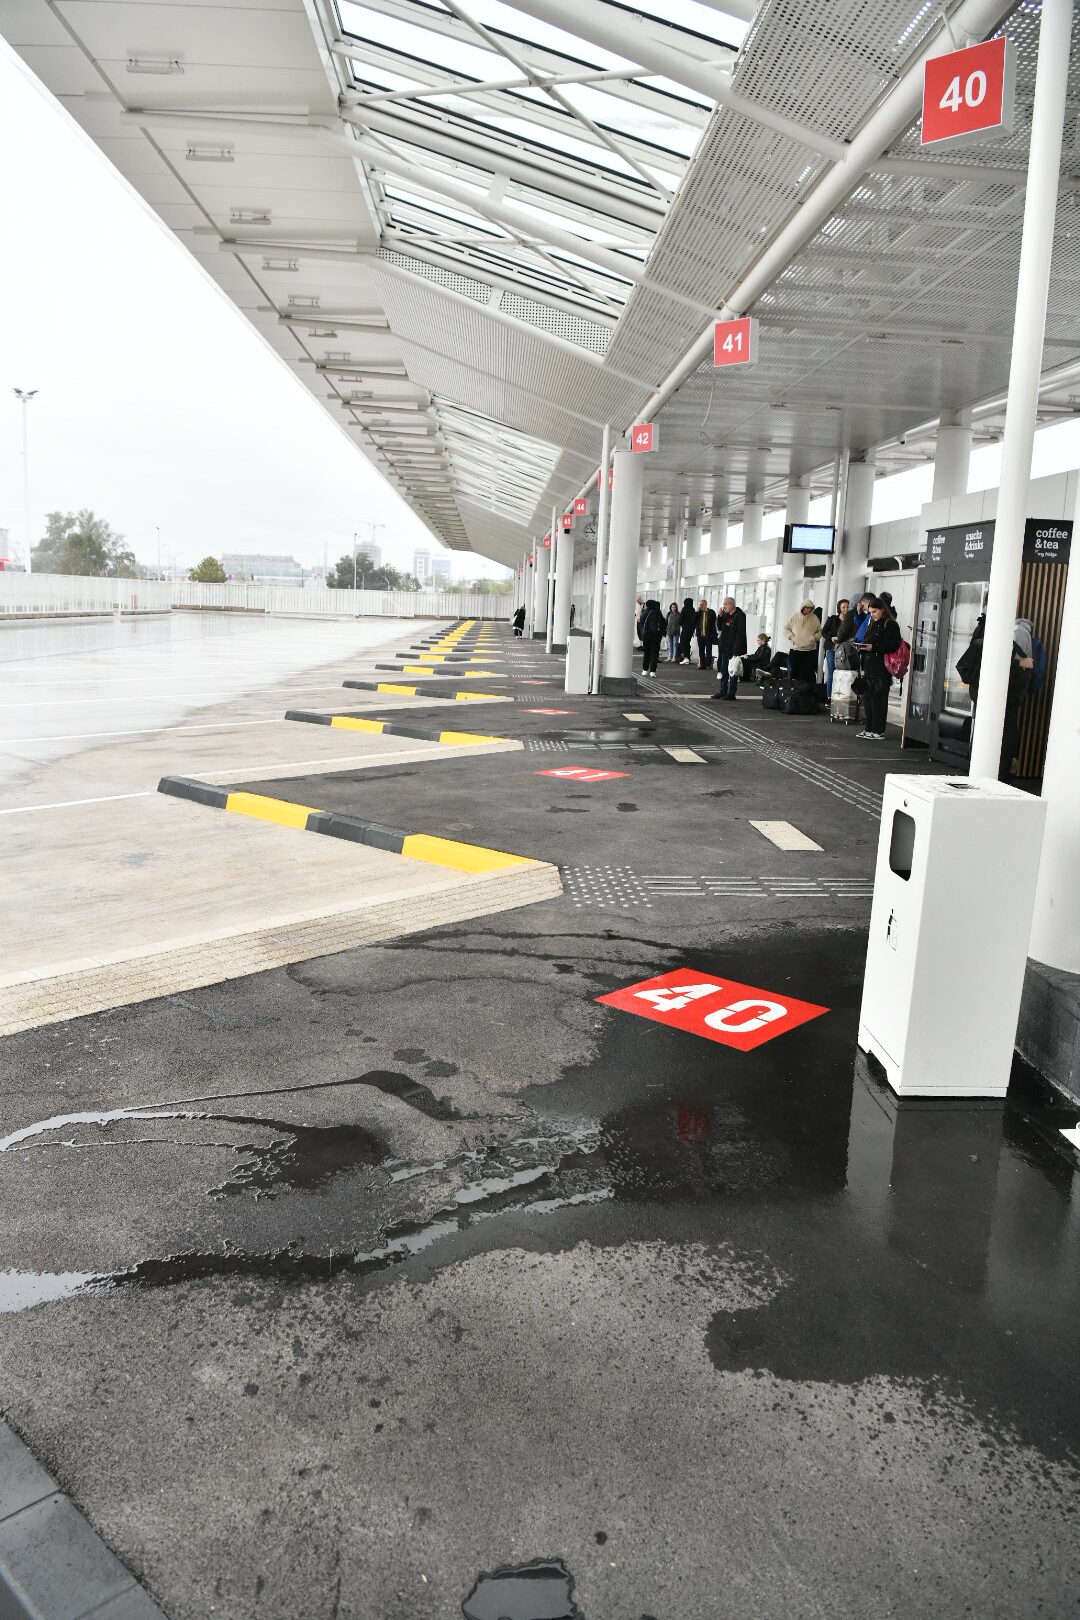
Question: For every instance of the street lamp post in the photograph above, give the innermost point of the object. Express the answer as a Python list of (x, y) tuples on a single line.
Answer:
[(24, 396)]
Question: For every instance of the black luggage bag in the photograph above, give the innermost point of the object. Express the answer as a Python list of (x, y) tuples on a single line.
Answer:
[(772, 694), (800, 698)]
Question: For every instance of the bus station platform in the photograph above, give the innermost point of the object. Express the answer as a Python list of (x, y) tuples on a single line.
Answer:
[(414, 1214)]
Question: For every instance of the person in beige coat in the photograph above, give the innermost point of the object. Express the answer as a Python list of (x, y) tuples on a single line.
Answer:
[(803, 631)]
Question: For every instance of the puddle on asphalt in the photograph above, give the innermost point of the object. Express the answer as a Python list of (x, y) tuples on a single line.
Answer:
[(307, 1156), (540, 1590)]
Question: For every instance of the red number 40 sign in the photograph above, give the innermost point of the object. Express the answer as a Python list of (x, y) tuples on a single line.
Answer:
[(969, 95), (723, 1010)]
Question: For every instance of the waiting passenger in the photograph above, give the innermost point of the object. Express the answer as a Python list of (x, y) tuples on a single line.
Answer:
[(882, 637), (650, 628), (803, 631), (705, 630), (830, 632), (673, 633), (759, 661), (687, 621), (730, 645), (519, 621)]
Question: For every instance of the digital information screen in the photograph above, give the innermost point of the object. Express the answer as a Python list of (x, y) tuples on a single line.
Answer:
[(816, 538)]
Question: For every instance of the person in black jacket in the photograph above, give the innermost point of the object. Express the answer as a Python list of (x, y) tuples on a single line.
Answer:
[(687, 621), (882, 636), (519, 621), (650, 629), (830, 631), (705, 630), (730, 644)]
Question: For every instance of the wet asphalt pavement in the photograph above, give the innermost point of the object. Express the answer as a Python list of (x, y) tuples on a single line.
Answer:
[(406, 1268)]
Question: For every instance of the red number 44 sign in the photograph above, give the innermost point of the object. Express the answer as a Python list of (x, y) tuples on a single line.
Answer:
[(718, 1009)]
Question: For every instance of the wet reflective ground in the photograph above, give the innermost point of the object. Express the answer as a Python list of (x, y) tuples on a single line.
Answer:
[(69, 685), (413, 1281)]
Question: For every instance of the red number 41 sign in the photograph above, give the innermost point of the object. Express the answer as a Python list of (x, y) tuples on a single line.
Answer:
[(721, 1010)]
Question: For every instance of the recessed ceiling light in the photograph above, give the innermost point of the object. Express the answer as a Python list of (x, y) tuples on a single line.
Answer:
[(154, 64), (210, 154), (303, 301), (249, 216), (281, 264)]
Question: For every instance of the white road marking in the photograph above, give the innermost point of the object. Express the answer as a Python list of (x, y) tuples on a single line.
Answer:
[(1072, 1135), (65, 804), (785, 836), (682, 755), (140, 731), (644, 717)]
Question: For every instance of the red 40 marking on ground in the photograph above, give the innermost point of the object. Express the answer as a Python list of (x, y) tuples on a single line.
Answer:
[(718, 1009), (582, 773)]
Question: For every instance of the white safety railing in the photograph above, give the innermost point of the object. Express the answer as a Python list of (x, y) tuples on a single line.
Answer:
[(45, 594), (23, 594), (317, 599)]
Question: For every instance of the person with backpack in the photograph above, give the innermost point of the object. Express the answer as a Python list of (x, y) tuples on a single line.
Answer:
[(673, 633), (650, 629), (687, 621), (882, 640)]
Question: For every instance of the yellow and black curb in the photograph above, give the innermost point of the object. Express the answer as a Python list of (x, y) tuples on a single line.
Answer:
[(478, 674), (421, 691), (391, 728), (414, 846)]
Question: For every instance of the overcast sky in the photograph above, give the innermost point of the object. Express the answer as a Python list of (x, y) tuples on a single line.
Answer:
[(157, 403)]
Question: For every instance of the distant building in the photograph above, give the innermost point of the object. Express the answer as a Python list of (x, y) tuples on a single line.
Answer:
[(441, 570), (261, 568), (374, 552), (421, 566)]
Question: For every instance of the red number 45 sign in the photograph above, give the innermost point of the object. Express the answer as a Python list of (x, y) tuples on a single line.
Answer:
[(721, 1010)]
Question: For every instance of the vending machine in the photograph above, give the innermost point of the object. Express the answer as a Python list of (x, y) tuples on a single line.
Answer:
[(951, 596)]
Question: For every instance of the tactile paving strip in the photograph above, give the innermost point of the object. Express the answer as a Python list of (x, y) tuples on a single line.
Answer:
[(621, 888)]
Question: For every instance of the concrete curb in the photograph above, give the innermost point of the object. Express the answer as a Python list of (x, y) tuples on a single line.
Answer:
[(425, 847), (420, 691), (392, 728), (53, 1566)]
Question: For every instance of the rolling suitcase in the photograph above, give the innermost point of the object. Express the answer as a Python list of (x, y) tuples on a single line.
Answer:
[(843, 705)]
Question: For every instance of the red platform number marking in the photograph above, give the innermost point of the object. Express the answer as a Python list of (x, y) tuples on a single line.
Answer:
[(567, 521), (581, 505), (969, 94), (610, 478), (735, 342), (549, 711), (582, 773), (721, 1010), (643, 436)]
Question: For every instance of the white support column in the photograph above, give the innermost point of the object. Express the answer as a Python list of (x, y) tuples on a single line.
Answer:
[(855, 530), (603, 524), (1033, 281), (622, 565), (752, 519), (691, 548), (719, 531), (952, 455), (540, 589), (556, 530), (564, 589), (530, 592), (790, 594), (1055, 929)]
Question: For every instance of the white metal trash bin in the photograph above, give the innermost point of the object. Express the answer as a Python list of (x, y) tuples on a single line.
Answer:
[(954, 893), (578, 663)]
